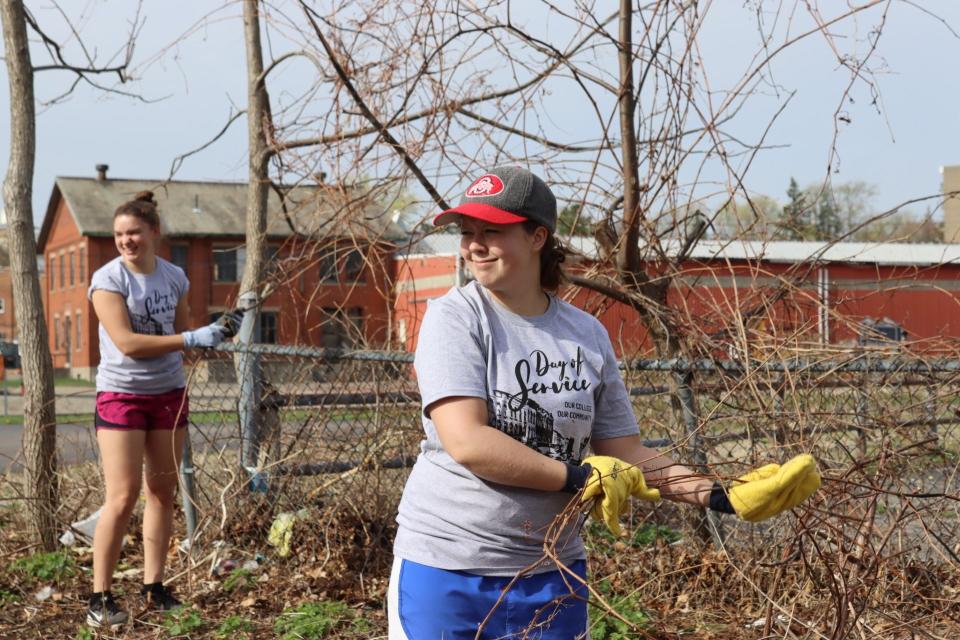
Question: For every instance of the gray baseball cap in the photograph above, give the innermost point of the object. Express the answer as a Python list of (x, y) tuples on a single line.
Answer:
[(505, 195)]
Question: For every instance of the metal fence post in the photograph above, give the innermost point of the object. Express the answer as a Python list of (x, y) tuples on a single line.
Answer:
[(247, 365), (930, 407), (779, 408), (708, 520), (861, 411), (189, 490)]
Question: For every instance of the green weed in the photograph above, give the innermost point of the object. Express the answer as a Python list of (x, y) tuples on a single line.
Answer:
[(608, 626), (182, 622), (239, 579), (53, 566), (234, 627), (84, 633), (650, 533), (642, 536), (315, 620)]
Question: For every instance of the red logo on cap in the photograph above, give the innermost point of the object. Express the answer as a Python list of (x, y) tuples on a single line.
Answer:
[(486, 185)]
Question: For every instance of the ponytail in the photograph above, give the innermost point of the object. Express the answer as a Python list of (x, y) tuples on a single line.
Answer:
[(551, 257)]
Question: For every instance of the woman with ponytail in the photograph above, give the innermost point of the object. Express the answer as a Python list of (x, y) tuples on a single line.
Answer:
[(140, 301), (524, 410)]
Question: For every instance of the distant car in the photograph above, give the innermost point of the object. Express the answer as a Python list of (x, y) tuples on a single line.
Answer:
[(883, 332), (11, 354)]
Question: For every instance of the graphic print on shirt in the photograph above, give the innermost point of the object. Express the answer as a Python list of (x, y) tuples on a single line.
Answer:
[(522, 418), (158, 309)]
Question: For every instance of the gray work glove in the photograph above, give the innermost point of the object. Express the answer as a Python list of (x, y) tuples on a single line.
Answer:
[(208, 336)]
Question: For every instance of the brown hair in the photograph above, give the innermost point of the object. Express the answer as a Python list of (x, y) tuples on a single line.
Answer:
[(551, 257), (142, 207)]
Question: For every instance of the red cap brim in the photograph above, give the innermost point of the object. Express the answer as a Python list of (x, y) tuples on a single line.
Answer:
[(480, 211)]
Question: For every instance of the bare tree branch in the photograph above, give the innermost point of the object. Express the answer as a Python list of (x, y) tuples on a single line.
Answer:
[(424, 182)]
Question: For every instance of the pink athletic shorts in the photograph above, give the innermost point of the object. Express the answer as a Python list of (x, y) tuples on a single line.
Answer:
[(139, 412)]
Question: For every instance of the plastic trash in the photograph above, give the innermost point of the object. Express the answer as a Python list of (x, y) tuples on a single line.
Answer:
[(759, 622), (43, 594), (259, 481), (281, 531), (126, 573), (224, 567), (81, 530)]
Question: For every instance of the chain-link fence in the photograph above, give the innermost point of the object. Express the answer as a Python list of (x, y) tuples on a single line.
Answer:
[(337, 431), (330, 432), (297, 466), (885, 431)]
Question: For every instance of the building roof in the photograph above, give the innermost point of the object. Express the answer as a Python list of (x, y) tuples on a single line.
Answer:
[(444, 243), (435, 244), (789, 252), (212, 209), (884, 253)]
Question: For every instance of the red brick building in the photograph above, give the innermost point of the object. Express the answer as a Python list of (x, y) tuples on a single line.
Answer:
[(357, 286), (781, 292), (327, 292), (8, 325)]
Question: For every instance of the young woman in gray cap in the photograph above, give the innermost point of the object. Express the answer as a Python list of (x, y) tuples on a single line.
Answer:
[(524, 407)]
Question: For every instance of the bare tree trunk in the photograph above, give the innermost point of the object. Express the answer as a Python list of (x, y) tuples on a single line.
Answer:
[(683, 400), (629, 254), (629, 264), (247, 365), (258, 115), (39, 418)]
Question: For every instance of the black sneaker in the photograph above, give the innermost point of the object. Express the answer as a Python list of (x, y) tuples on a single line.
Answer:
[(104, 613), (159, 597)]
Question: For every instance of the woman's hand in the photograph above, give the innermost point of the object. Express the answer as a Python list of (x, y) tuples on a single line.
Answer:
[(769, 490), (208, 336), (614, 481)]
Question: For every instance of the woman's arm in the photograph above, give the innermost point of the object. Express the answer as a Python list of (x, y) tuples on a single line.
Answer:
[(675, 481), (461, 423), (112, 313)]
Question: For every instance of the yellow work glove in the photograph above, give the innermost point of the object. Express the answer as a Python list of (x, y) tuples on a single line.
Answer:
[(774, 488), (616, 481)]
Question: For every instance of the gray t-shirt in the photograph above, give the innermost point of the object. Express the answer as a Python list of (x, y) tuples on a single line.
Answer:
[(551, 382), (151, 301)]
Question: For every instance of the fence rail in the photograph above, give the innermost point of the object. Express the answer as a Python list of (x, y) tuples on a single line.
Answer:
[(344, 426)]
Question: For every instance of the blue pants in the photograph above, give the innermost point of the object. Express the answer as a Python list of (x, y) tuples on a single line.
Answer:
[(425, 603)]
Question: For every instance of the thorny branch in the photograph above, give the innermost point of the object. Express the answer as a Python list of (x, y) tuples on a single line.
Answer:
[(409, 101)]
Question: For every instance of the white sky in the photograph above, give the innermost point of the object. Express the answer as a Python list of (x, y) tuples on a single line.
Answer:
[(196, 82)]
